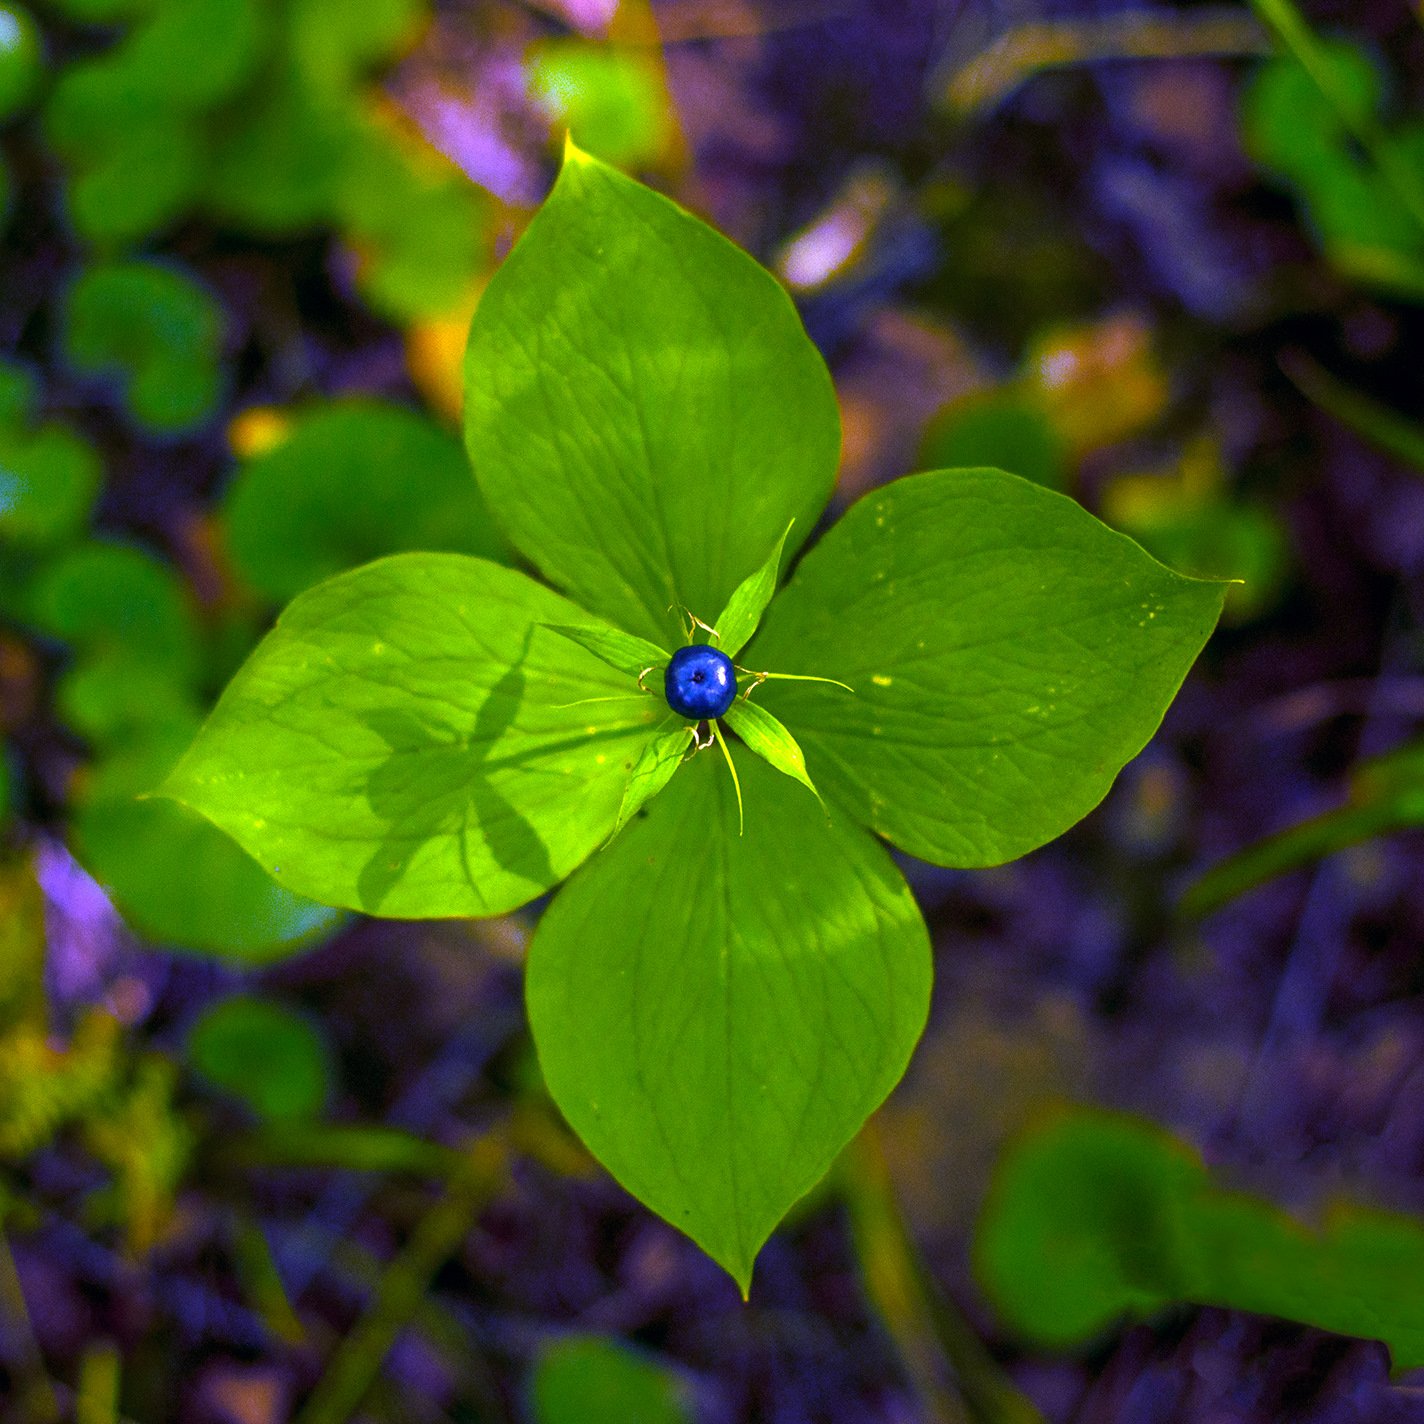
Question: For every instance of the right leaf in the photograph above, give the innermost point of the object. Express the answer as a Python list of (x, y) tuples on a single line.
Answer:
[(717, 1014), (1009, 654)]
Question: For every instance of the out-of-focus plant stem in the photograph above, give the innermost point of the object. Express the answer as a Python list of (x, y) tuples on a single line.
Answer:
[(34, 1399), (955, 1376), (357, 1361), (1016, 56)]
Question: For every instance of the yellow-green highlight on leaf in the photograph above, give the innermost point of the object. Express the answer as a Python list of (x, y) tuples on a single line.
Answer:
[(717, 1014), (1095, 1216), (748, 602), (644, 411), (630, 655), (1009, 655), (765, 736), (404, 742)]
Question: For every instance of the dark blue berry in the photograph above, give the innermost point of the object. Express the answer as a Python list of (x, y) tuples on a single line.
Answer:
[(700, 682)]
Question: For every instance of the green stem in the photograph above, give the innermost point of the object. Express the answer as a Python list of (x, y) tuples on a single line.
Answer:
[(956, 1377), (357, 1361), (1288, 850)]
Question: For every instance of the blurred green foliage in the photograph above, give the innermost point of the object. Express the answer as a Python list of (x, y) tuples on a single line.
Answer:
[(21, 59), (1094, 1216), (1313, 118), (348, 482), (1001, 428), (49, 475), (265, 1055), (586, 1379), (611, 100), (254, 114), (153, 331)]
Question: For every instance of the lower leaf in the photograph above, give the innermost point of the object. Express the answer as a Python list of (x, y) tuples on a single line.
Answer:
[(717, 1015)]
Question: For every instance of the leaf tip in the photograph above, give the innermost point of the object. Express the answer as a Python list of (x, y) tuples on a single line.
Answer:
[(573, 154)]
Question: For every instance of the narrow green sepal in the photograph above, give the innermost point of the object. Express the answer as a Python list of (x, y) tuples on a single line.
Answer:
[(736, 780), (618, 649), (742, 615), (655, 767), (765, 736)]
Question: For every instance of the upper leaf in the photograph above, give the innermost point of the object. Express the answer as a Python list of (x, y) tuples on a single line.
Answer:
[(644, 411), (402, 742), (716, 1015), (1009, 654)]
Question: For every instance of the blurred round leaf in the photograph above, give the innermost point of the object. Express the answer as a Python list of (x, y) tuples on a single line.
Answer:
[(194, 54), (264, 1054), (133, 165), (153, 329), (999, 429), (113, 696), (116, 599), (48, 483), (276, 166), (352, 481), (1290, 127), (175, 878), (421, 237), (19, 394), (21, 58), (612, 101), (586, 1379), (334, 41)]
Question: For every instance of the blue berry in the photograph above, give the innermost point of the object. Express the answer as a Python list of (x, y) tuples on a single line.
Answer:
[(700, 682)]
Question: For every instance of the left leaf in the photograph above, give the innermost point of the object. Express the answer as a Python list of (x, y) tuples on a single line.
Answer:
[(717, 1014), (401, 743)]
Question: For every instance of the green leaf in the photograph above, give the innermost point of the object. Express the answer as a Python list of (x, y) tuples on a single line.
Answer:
[(655, 768), (49, 479), (1009, 655), (133, 847), (421, 237), (611, 100), (716, 1015), (264, 1054), (765, 736), (400, 743), (584, 1379), (643, 409), (742, 615), (1002, 429), (1094, 1216), (155, 331), (631, 656), (352, 481), (115, 600)]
